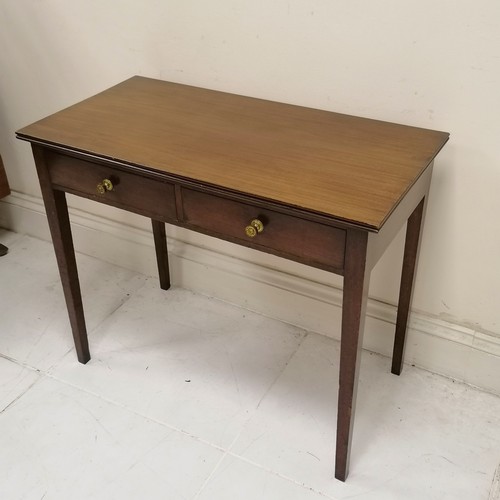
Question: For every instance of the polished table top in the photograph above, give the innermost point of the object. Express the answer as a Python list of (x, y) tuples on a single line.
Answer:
[(350, 169)]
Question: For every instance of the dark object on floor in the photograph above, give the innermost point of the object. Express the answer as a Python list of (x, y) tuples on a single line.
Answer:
[(4, 185), (4, 191)]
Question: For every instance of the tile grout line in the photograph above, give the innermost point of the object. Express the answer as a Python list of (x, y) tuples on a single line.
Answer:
[(215, 469), (460, 380), (47, 374), (96, 327), (17, 398), (137, 413), (228, 451), (495, 488), (126, 299), (282, 476), (495, 485), (21, 363), (259, 466), (365, 349), (273, 383)]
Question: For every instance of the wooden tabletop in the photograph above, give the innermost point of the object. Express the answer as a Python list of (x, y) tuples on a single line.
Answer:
[(353, 169)]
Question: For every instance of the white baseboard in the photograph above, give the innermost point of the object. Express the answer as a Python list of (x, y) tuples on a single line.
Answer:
[(210, 267)]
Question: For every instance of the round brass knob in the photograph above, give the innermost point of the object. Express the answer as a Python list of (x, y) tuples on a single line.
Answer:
[(254, 228), (105, 185)]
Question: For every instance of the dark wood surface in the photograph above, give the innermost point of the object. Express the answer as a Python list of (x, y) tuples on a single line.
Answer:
[(346, 167), (331, 190), (60, 229), (355, 295), (290, 237), (4, 191), (160, 239), (130, 191), (4, 183), (410, 259)]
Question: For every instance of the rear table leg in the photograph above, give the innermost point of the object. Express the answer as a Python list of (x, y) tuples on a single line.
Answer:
[(413, 232), (160, 238)]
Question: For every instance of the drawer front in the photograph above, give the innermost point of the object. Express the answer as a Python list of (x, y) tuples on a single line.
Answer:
[(294, 238), (153, 198)]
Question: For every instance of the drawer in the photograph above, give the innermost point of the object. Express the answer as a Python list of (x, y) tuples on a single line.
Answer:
[(154, 198), (291, 237)]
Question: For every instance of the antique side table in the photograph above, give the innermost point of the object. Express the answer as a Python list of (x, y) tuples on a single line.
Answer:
[(321, 188)]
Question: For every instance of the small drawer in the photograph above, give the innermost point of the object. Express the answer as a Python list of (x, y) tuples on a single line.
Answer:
[(291, 237), (154, 198)]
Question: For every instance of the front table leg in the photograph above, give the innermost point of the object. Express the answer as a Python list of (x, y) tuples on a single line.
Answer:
[(60, 229), (356, 281)]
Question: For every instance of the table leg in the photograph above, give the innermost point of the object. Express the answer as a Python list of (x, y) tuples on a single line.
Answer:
[(356, 281), (160, 238), (60, 229), (410, 258)]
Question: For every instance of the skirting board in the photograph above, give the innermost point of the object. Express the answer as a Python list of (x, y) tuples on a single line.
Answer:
[(208, 267)]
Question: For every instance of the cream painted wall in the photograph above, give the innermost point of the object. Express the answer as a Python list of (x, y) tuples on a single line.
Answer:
[(434, 64)]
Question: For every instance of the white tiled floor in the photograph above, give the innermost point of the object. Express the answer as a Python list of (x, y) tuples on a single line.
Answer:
[(187, 397)]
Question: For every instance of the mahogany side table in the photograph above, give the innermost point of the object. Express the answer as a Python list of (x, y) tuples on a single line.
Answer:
[(321, 188)]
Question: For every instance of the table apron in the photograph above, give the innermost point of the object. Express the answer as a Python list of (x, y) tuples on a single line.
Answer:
[(198, 209)]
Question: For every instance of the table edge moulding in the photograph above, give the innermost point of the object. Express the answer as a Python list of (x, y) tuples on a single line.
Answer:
[(325, 189)]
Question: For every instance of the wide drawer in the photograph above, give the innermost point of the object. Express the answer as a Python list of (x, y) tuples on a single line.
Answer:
[(154, 198), (292, 237)]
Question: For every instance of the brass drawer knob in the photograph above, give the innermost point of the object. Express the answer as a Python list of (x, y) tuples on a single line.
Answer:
[(254, 228), (105, 185)]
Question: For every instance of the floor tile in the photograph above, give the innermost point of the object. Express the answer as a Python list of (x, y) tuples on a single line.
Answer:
[(14, 381), (8, 238), (63, 443), (170, 361), (35, 327), (195, 363), (407, 428), (483, 368), (235, 479)]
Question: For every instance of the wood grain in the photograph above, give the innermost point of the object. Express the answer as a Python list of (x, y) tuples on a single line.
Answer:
[(352, 169), (130, 192), (290, 237)]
